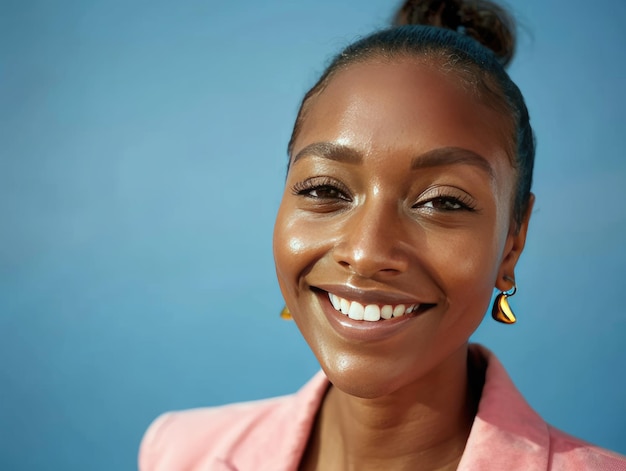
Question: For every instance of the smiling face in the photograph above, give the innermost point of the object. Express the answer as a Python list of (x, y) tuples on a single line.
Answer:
[(397, 211)]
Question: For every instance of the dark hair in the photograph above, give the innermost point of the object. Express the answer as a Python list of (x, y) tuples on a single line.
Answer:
[(473, 39)]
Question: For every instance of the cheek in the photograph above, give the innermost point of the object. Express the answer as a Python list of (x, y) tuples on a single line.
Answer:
[(297, 245), (284, 246), (472, 259), (464, 263)]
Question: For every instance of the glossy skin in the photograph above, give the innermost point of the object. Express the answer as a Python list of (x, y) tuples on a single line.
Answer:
[(400, 190)]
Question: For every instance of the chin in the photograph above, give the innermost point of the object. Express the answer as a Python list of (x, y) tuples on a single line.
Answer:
[(364, 378)]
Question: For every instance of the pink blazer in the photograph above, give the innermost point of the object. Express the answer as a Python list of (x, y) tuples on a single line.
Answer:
[(270, 435)]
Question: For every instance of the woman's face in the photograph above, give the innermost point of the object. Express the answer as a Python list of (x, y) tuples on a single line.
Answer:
[(397, 203)]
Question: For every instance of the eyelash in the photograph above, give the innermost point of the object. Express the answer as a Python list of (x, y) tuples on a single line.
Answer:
[(335, 190), (465, 202)]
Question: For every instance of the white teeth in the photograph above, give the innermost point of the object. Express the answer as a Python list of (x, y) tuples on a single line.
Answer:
[(344, 306), (356, 311), (372, 313), (399, 310), (369, 312)]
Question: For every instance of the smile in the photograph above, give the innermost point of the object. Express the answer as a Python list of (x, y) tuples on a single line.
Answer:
[(369, 312)]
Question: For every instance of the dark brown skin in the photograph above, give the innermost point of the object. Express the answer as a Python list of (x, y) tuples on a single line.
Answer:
[(371, 222)]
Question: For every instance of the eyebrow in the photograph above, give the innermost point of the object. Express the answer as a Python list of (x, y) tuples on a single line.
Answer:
[(432, 158), (328, 150), (451, 156)]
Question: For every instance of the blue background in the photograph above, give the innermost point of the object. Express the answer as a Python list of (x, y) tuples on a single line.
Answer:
[(142, 156)]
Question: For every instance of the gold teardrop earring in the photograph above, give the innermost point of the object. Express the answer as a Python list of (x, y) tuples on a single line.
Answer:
[(285, 314), (501, 310)]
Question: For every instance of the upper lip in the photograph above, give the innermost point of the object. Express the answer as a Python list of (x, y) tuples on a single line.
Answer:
[(369, 296)]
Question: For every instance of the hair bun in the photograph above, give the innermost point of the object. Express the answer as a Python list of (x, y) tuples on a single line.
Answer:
[(486, 22)]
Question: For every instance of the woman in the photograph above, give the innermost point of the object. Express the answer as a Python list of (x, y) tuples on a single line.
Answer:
[(407, 200)]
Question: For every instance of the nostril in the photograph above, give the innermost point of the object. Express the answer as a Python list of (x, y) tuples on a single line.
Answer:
[(369, 268), (366, 252)]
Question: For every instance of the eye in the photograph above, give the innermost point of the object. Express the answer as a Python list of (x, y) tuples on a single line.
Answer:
[(321, 188), (444, 202), (325, 191)]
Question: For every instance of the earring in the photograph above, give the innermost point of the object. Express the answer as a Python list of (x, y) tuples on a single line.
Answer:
[(501, 310), (285, 314)]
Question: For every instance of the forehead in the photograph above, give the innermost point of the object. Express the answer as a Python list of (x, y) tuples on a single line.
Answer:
[(402, 104)]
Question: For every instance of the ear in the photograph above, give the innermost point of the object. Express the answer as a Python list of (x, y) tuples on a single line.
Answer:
[(513, 248)]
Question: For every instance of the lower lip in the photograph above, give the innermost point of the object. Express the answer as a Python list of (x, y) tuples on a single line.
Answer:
[(365, 331)]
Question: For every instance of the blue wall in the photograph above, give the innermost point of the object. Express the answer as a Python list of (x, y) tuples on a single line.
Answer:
[(142, 155)]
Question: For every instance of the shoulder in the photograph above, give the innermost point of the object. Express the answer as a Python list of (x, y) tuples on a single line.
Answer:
[(508, 434), (571, 453), (177, 440), (222, 437)]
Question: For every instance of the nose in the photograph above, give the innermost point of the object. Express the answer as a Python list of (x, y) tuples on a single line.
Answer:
[(373, 241)]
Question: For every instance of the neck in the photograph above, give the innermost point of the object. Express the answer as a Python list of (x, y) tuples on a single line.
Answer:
[(423, 426)]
